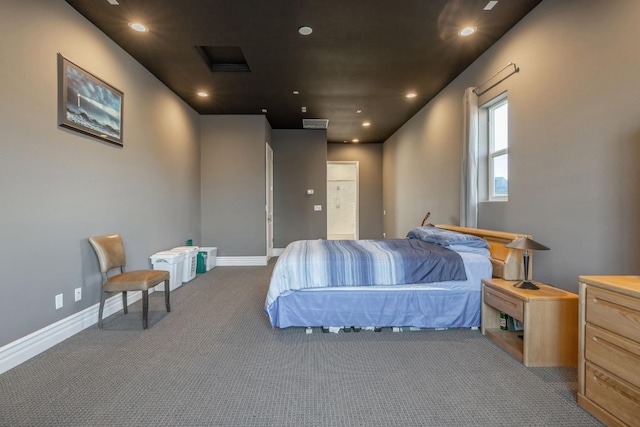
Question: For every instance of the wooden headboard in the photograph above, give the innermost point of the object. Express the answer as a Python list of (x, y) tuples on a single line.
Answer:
[(507, 263)]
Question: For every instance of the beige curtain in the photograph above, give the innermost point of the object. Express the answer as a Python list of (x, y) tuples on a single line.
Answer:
[(469, 178)]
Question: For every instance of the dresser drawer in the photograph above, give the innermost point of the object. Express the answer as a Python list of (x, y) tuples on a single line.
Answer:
[(614, 312), (619, 398), (617, 355), (501, 301)]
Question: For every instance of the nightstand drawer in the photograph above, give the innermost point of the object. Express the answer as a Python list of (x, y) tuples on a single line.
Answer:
[(618, 397), (614, 312), (613, 353), (514, 307)]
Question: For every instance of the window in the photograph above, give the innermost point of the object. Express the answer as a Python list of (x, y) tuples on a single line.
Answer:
[(498, 153)]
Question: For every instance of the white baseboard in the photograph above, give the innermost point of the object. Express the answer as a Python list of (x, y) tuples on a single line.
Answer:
[(229, 261), (23, 349)]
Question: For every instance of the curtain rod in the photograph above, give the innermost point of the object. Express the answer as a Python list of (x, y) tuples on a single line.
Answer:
[(513, 71)]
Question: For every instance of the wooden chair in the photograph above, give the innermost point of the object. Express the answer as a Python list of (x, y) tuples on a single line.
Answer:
[(110, 252)]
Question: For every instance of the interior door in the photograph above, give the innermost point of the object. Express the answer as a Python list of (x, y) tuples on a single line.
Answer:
[(269, 199), (342, 201)]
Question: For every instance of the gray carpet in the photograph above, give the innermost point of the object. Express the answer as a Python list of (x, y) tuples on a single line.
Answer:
[(215, 361)]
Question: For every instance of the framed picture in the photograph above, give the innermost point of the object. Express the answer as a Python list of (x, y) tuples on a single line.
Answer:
[(88, 104)]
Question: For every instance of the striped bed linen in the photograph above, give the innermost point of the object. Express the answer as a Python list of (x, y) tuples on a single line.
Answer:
[(308, 264)]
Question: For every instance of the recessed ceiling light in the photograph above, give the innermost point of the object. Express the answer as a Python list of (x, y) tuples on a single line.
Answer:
[(138, 27), (345, 141), (203, 94), (467, 31), (295, 92), (305, 31), (411, 95), (490, 5), (113, 2), (264, 110), (366, 124), (358, 111), (355, 140)]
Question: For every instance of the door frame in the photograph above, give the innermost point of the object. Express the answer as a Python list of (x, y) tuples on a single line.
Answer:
[(357, 164), (269, 198)]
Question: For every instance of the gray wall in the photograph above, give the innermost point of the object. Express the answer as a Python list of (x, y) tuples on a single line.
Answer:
[(369, 157), (233, 183), (574, 142), (299, 163), (59, 187)]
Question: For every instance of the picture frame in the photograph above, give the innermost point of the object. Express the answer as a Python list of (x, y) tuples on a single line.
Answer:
[(88, 104)]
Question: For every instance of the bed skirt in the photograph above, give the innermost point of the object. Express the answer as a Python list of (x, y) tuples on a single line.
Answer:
[(378, 307)]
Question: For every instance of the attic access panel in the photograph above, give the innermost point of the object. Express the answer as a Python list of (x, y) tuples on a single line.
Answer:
[(224, 58)]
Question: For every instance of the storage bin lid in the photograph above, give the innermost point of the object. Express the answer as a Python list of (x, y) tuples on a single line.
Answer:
[(207, 249), (175, 257), (186, 249)]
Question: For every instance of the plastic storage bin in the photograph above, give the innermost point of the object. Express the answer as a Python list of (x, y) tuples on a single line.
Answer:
[(190, 261), (206, 259), (172, 262)]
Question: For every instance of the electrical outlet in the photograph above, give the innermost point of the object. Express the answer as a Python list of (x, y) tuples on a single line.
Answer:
[(59, 301), (78, 294), (317, 207)]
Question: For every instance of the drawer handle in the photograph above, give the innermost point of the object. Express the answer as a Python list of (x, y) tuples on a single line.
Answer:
[(616, 307), (614, 388), (502, 299), (614, 347)]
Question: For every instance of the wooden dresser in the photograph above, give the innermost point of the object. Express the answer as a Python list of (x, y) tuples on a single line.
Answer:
[(609, 349)]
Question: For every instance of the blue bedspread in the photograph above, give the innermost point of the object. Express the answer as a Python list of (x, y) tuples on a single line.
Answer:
[(331, 263)]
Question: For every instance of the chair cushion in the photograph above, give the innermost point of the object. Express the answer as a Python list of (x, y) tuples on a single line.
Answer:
[(139, 280)]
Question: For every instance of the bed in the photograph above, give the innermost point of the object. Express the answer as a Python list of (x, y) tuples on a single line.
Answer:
[(430, 280)]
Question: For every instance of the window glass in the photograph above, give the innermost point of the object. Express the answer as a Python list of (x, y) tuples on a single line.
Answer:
[(498, 148), (501, 127), (501, 176)]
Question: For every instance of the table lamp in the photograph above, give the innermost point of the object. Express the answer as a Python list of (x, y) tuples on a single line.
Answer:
[(526, 244)]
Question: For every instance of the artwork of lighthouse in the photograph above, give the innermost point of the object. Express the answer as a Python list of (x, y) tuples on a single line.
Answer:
[(87, 104)]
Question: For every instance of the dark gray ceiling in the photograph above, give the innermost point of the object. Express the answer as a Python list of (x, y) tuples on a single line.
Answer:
[(362, 55)]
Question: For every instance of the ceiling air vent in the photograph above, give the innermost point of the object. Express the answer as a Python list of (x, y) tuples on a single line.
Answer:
[(315, 123)]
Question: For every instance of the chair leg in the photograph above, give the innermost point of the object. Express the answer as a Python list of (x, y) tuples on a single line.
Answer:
[(124, 302), (166, 295), (102, 298), (145, 309)]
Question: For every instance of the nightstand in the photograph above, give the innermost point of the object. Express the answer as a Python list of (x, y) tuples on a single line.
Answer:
[(550, 317)]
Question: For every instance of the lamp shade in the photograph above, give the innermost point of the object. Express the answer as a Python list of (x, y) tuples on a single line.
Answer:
[(526, 243)]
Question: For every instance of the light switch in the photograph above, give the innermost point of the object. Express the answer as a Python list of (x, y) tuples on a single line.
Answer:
[(310, 191), (317, 207)]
